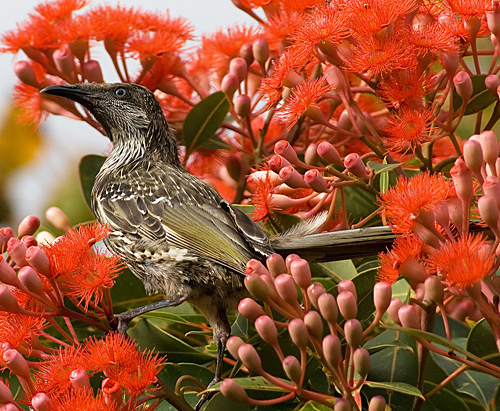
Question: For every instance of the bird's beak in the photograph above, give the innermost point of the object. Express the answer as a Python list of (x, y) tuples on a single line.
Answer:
[(70, 91)]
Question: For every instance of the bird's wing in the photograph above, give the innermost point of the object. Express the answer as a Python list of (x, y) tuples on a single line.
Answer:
[(162, 205)]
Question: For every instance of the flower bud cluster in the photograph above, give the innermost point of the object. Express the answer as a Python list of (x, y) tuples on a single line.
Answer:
[(317, 322)]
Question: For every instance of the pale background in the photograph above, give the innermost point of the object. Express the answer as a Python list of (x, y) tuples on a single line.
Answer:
[(66, 141)]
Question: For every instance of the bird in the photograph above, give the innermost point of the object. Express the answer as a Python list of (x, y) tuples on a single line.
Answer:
[(174, 231)]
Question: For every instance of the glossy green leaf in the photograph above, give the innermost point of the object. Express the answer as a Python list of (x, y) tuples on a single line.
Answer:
[(204, 120), (89, 167), (337, 270), (481, 342), (359, 203), (382, 167), (443, 399), (314, 406), (395, 364), (481, 97), (216, 143), (253, 383), (400, 387), (128, 292), (478, 385)]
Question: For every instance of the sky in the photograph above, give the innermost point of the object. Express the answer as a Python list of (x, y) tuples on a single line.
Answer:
[(66, 141)]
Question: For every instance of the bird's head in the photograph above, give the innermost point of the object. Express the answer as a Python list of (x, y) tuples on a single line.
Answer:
[(119, 107)]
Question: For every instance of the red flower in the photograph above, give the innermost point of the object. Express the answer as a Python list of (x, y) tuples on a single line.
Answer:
[(402, 203), (59, 9), (82, 400), (463, 262)]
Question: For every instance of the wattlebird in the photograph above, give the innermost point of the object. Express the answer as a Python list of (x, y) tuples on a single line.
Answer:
[(176, 233)]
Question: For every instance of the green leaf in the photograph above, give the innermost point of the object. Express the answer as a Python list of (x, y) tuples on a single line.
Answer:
[(443, 399), (400, 387), (382, 167), (481, 97), (253, 383), (203, 121), (360, 203), (314, 406), (337, 270), (216, 143), (478, 385), (128, 292), (481, 342), (89, 167)]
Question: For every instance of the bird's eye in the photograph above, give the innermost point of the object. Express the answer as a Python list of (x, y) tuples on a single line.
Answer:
[(120, 92)]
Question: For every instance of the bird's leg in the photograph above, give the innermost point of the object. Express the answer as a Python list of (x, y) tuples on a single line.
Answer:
[(127, 316), (222, 331)]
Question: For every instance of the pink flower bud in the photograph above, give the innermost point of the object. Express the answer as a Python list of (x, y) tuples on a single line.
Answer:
[(377, 403), (382, 294), (355, 166), (8, 301), (298, 332), (248, 356), (16, 363), (9, 407), (233, 391), (281, 201), (316, 181), (266, 329), (413, 271), (263, 175), (491, 187), (408, 316), (292, 177), (472, 26), (301, 273), (393, 310), (353, 332), (30, 279), (492, 82), (329, 153), (260, 50), (292, 368), (233, 345), (255, 285), (286, 288), (8, 274), (361, 360), (450, 62), (247, 53), (92, 71), (332, 350), (328, 308), (6, 233), (314, 324), (242, 105), (290, 258), (44, 237), (336, 79), (271, 289), (5, 394), (238, 66), (488, 209), (64, 60), (284, 149), (463, 85), (229, 84), (37, 258), (29, 241), (249, 309), (489, 144), (462, 179), (347, 285), (277, 162), (57, 218), (256, 267), (276, 265), (347, 304), (473, 156), (112, 392), (17, 250), (434, 289), (341, 404), (314, 291), (311, 155), (24, 71), (79, 379), (41, 402)]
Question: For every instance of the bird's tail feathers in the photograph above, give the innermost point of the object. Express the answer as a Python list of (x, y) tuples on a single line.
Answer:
[(305, 227)]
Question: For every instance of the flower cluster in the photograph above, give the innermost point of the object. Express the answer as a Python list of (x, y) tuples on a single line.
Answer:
[(41, 280)]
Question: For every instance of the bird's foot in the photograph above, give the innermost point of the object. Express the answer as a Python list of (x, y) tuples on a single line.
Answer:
[(207, 395)]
